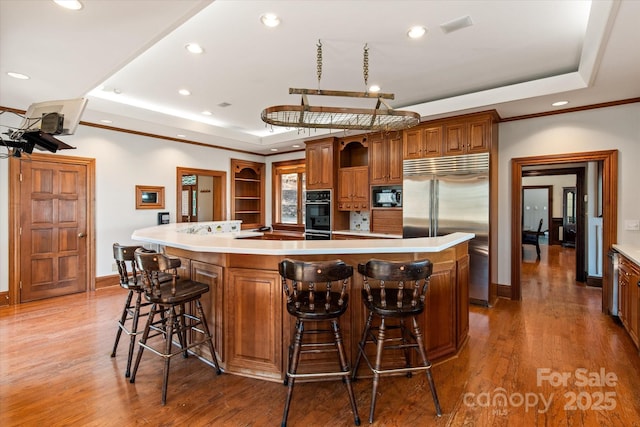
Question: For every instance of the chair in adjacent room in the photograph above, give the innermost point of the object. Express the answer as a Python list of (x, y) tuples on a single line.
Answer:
[(171, 300), (394, 292), (130, 280), (316, 296), (530, 237)]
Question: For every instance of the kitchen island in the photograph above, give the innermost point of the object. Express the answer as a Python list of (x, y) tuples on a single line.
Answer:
[(245, 305)]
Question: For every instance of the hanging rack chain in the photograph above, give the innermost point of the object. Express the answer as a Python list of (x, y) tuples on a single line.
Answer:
[(319, 62), (365, 66)]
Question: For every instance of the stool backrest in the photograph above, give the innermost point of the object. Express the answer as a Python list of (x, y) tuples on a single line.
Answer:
[(155, 266), (403, 282), (302, 281), (124, 255)]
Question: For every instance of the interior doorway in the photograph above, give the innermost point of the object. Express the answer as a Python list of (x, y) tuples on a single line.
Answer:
[(201, 195), (608, 161), (51, 222)]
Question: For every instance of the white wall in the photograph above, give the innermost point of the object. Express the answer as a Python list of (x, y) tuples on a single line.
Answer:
[(123, 161), (593, 130)]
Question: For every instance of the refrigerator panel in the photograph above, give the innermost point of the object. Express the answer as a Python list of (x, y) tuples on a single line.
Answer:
[(462, 204), (416, 209)]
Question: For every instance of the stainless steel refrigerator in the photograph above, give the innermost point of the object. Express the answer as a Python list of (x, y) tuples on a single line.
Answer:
[(443, 195)]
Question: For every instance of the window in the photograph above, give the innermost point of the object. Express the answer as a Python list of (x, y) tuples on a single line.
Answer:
[(289, 192)]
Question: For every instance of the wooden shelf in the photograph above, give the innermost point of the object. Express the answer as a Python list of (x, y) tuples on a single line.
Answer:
[(247, 193)]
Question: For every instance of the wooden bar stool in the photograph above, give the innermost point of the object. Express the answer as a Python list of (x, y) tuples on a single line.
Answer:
[(171, 298), (394, 290), (128, 323), (316, 293)]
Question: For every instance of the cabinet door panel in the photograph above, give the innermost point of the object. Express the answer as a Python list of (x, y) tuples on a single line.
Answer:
[(440, 311), (454, 139), (394, 160), (211, 301), (253, 333)]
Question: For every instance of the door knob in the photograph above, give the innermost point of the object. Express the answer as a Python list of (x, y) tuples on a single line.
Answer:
[(81, 235)]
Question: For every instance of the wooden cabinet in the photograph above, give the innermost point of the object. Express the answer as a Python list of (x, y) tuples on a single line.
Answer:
[(467, 137), (470, 134), (353, 175), (247, 192), (353, 188), (422, 141), (463, 299), (387, 220), (211, 302), (440, 307), (628, 295), (385, 160), (253, 330), (320, 164)]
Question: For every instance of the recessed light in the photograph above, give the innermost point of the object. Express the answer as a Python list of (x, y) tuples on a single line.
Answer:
[(560, 103), (181, 135), (374, 88), (270, 20), (416, 32), (194, 48), (18, 75), (69, 4), (207, 113), (184, 92), (296, 145), (106, 121), (274, 149)]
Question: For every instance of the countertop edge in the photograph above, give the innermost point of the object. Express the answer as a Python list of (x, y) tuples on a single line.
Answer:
[(630, 251), (169, 236)]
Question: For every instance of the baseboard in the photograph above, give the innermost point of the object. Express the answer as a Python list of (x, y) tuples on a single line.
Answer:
[(4, 298), (504, 291), (596, 282), (107, 281)]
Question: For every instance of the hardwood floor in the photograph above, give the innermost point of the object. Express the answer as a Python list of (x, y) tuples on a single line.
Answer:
[(55, 370)]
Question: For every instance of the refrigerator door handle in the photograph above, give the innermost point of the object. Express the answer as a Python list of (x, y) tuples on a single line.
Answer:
[(435, 194)]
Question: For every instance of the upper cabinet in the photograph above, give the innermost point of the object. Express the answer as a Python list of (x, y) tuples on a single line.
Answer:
[(320, 164), (467, 137), (423, 141), (467, 134), (247, 192), (385, 159), (353, 174)]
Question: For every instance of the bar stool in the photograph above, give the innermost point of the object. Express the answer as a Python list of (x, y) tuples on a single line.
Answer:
[(124, 257), (404, 299), (316, 292), (171, 299)]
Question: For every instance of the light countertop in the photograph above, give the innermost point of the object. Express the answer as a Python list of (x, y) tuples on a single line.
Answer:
[(174, 235), (630, 251)]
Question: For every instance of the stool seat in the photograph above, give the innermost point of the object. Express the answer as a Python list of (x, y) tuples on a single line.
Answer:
[(171, 300), (394, 292), (131, 280), (316, 292)]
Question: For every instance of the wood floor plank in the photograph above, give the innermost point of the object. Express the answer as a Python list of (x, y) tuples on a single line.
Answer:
[(55, 369)]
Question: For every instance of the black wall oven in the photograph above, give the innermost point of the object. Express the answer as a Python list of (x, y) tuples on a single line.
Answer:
[(317, 219)]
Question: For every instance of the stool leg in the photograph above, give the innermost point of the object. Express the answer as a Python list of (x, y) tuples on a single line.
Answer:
[(205, 327), (403, 335), (134, 331), (376, 375), (361, 345), (425, 361), (167, 352), (293, 367), (345, 368), (143, 340), (121, 322), (183, 324)]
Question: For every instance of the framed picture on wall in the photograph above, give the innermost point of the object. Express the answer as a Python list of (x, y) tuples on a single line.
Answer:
[(149, 197)]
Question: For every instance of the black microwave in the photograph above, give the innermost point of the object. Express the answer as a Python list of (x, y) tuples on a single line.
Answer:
[(386, 197)]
